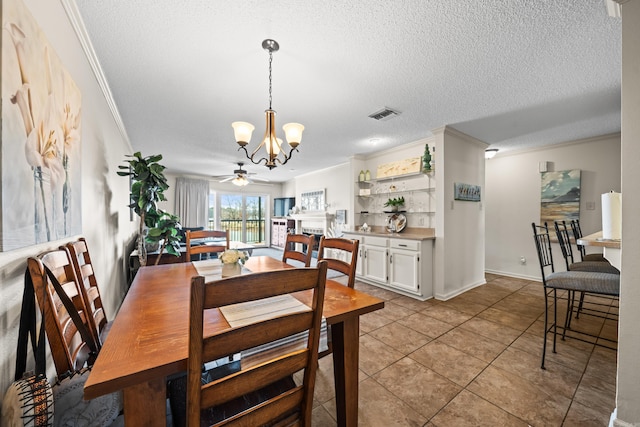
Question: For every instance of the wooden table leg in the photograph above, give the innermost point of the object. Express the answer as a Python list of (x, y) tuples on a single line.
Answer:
[(146, 404), (345, 340)]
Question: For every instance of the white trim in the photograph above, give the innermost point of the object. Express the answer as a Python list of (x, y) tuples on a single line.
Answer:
[(79, 28)]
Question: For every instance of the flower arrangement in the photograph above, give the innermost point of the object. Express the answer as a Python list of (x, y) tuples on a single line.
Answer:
[(233, 256)]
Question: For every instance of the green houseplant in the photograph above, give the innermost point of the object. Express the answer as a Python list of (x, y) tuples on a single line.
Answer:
[(395, 203), (148, 184), (166, 234)]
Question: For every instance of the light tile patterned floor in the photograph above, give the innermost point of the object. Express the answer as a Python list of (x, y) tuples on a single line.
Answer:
[(475, 361)]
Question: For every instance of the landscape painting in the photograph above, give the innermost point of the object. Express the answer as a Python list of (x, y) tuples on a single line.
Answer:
[(40, 145), (560, 199)]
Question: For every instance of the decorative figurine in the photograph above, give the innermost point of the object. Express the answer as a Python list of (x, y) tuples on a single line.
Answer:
[(426, 160)]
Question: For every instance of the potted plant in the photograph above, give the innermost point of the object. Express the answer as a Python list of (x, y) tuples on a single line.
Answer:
[(148, 184), (395, 203), (165, 233)]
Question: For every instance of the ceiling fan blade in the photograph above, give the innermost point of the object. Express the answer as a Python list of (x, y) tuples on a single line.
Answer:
[(228, 179), (255, 178)]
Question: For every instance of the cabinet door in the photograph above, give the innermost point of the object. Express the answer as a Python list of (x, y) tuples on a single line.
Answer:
[(404, 269), (360, 262), (375, 263)]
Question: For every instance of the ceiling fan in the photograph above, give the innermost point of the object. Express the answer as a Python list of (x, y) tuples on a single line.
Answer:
[(240, 177)]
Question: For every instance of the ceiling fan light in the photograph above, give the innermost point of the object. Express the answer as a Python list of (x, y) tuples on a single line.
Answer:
[(293, 132), (242, 132), (240, 181)]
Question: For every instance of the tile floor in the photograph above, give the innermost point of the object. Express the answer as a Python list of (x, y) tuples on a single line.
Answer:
[(475, 361)]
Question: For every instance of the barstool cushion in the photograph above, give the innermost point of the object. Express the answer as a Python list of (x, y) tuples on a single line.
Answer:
[(585, 281)]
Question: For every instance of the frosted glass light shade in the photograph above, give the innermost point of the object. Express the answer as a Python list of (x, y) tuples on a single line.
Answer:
[(242, 132), (240, 181), (293, 132)]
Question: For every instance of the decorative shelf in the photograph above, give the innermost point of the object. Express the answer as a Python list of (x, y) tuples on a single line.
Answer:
[(397, 177), (389, 213)]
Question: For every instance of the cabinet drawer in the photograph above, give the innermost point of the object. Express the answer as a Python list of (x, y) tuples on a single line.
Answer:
[(376, 241), (413, 245)]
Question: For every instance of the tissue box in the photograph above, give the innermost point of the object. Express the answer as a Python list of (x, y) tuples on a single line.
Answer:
[(365, 192)]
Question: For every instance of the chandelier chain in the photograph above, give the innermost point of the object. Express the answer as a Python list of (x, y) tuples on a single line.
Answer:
[(270, 61)]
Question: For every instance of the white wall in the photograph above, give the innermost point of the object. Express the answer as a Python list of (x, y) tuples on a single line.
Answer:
[(105, 216), (336, 182), (628, 385), (513, 186), (459, 260)]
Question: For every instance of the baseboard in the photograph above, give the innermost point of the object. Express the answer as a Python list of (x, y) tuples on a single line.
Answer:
[(514, 275)]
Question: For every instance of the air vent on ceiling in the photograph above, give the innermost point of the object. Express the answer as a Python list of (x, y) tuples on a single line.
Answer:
[(385, 114)]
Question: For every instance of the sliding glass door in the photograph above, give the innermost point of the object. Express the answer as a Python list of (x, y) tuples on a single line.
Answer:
[(243, 215)]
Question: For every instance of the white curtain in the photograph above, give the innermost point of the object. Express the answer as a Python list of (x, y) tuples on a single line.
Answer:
[(192, 202)]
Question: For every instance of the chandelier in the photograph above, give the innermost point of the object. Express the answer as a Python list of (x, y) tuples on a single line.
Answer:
[(272, 145)]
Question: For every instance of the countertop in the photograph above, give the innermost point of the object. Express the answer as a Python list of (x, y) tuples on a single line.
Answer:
[(407, 233), (596, 239)]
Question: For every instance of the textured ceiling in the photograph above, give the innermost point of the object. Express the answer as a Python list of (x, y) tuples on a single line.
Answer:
[(513, 73)]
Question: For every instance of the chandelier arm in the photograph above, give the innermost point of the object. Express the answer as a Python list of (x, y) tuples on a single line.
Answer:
[(286, 156), (250, 157)]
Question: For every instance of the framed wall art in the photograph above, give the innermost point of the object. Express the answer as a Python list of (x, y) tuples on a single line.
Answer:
[(466, 192), (560, 196), (41, 111)]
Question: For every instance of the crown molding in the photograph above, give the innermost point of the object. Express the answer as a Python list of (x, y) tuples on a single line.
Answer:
[(79, 28)]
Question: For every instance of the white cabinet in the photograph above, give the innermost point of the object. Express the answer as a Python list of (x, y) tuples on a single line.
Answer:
[(401, 265), (404, 269), (375, 259)]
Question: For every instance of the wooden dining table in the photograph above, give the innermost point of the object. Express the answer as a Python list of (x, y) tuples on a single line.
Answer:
[(148, 341)]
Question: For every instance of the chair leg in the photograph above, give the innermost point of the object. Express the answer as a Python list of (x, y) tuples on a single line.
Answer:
[(580, 305), (544, 335), (571, 297), (555, 318)]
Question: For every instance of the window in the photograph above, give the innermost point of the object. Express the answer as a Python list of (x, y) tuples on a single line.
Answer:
[(243, 215)]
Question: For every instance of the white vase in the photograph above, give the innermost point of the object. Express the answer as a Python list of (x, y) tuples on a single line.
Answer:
[(229, 270)]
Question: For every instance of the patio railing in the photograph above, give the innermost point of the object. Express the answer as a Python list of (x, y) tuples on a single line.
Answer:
[(255, 229)]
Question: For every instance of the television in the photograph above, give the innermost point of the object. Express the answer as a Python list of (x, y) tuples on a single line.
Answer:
[(282, 205)]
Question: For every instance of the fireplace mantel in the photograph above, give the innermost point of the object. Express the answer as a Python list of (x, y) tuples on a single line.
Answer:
[(313, 222)]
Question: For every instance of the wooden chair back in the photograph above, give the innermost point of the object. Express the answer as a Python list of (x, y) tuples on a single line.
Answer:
[(81, 260), (201, 247), (68, 349), (346, 245), (304, 256), (294, 404)]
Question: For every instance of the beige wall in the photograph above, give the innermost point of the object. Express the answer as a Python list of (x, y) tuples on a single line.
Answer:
[(513, 198), (105, 216), (628, 387)]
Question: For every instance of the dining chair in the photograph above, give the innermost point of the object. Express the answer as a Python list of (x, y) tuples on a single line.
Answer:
[(577, 234), (197, 244), (81, 260), (603, 266), (591, 282), (329, 250), (262, 394), (304, 242), (68, 347), (331, 246), (562, 233)]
